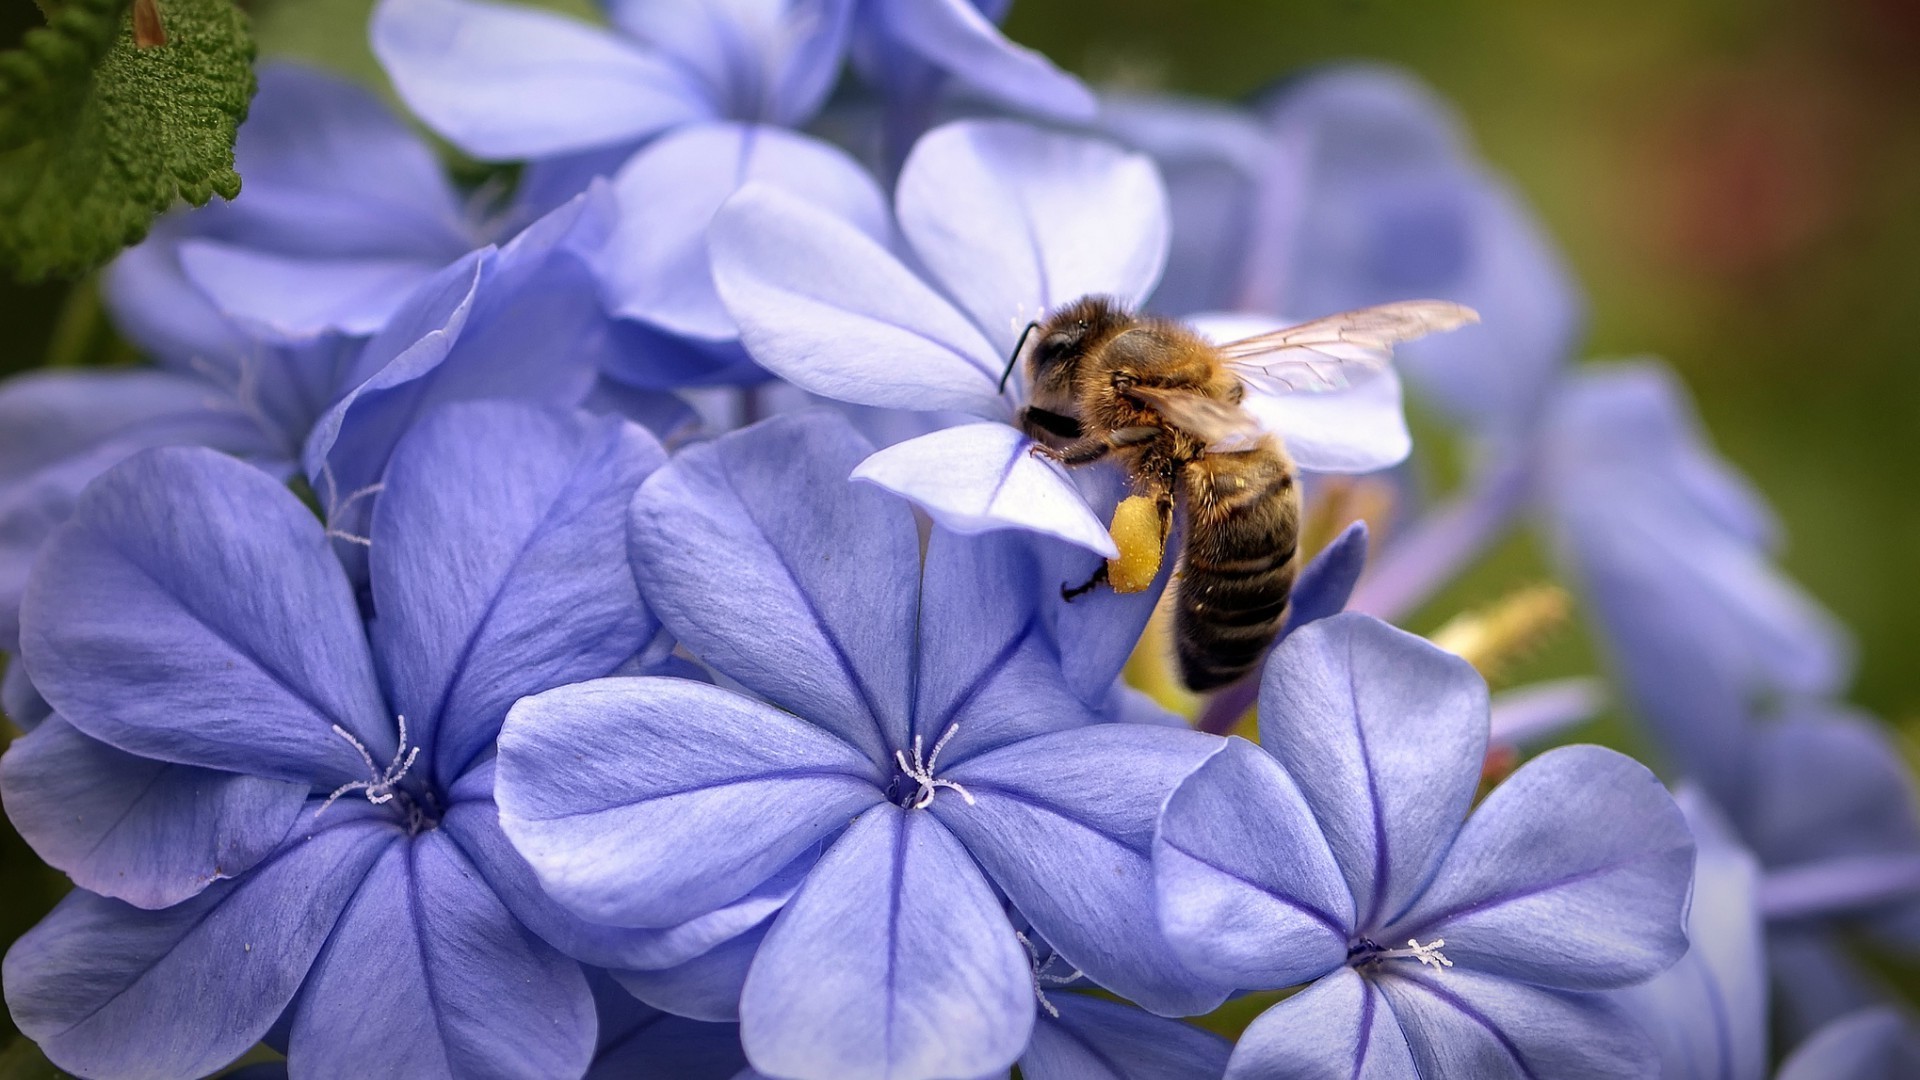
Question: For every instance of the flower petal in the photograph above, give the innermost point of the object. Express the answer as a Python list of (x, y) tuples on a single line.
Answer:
[(332, 172), (1326, 582), (520, 322), (768, 60), (300, 295), (1864, 1045), (475, 826), (1574, 873), (191, 611), (428, 974), (19, 701), (1385, 735), (1463, 1022), (534, 501), (108, 989), (162, 313), (60, 430), (1392, 205), (1532, 713), (1339, 1028), (1015, 220), (656, 266), (1707, 1013), (810, 602), (1247, 889), (504, 81), (705, 987), (638, 1042), (978, 477), (990, 663), (957, 38), (138, 830), (1826, 783), (1096, 1039), (894, 962), (709, 793), (1064, 825), (826, 307)]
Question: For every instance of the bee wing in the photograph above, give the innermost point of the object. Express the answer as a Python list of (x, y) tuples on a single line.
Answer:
[(1226, 427), (1331, 353)]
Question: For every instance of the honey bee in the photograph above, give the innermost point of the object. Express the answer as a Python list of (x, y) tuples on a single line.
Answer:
[(1166, 402)]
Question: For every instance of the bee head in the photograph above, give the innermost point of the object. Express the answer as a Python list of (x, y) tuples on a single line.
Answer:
[(1065, 338)]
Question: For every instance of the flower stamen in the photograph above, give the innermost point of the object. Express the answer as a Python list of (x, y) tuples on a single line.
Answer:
[(920, 770), (381, 787), (1043, 978), (1428, 954)]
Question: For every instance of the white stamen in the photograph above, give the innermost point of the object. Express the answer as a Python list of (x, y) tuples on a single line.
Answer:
[(1429, 955), (1042, 977), (335, 505), (920, 770), (381, 787)]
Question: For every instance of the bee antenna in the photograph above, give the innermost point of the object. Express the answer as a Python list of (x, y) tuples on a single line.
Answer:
[(1015, 358)]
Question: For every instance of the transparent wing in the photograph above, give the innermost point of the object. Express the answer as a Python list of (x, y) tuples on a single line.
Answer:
[(1332, 353), (1224, 426)]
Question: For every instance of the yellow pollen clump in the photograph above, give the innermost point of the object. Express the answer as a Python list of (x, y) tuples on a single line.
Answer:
[(1136, 532), (1507, 631)]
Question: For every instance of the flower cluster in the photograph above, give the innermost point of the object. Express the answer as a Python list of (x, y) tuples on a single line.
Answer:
[(622, 622)]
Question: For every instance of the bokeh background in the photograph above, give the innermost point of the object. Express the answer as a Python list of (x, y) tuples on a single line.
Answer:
[(1735, 182)]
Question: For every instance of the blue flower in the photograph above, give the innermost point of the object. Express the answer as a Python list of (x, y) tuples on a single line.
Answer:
[(509, 82), (346, 212), (1708, 1013), (927, 725), (1009, 223), (1334, 853), (920, 54), (1673, 549), (229, 770)]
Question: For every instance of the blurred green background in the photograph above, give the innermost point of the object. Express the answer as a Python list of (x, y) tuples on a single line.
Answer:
[(1736, 182)]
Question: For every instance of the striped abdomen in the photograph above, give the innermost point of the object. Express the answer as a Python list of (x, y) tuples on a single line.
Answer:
[(1243, 522)]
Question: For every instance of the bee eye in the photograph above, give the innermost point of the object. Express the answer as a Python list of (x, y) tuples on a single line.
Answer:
[(1055, 346)]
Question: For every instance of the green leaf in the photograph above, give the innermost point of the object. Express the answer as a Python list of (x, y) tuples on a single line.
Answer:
[(98, 135), (23, 1061)]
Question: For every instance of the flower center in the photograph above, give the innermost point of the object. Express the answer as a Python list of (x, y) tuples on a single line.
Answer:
[(383, 785), (919, 769), (1366, 952)]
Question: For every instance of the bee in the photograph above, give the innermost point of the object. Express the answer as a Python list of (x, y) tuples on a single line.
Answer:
[(1167, 404)]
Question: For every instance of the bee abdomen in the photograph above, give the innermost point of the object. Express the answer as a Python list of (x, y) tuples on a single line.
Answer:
[(1238, 572)]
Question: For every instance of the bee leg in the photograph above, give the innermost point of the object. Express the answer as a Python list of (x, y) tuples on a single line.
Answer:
[(1098, 579), (1090, 450)]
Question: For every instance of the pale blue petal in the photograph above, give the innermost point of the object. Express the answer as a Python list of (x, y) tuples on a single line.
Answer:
[(1064, 823), (1248, 890), (1385, 735), (1574, 873), (1097, 1039), (1339, 1028), (978, 477), (638, 1042), (138, 830), (894, 962), (108, 989), (427, 974), (300, 295), (1875, 1044), (504, 81), (534, 503), (1015, 220), (704, 987), (1461, 1022), (828, 308), (810, 603), (956, 37), (656, 267), (191, 611), (708, 793)]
